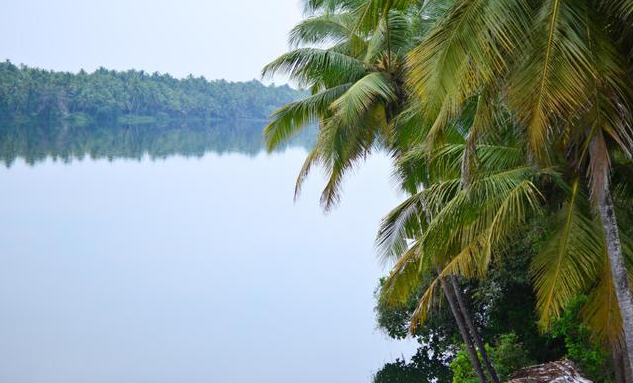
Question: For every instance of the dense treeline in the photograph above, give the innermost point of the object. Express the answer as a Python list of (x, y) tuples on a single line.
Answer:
[(106, 95)]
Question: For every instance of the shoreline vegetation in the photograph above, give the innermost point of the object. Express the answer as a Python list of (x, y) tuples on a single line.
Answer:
[(129, 114), (132, 97), (510, 126)]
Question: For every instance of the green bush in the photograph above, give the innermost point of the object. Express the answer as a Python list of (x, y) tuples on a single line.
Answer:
[(507, 356), (461, 368), (589, 356)]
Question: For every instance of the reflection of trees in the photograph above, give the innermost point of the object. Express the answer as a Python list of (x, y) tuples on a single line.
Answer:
[(36, 141)]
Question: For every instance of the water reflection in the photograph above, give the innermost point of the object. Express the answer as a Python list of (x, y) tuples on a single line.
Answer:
[(188, 270), (35, 141)]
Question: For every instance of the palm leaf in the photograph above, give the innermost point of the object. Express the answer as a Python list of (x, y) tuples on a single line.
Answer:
[(362, 96), (392, 33), (401, 225), (328, 28), (289, 119), (567, 260), (313, 65), (602, 311), (464, 50), (404, 278), (554, 79)]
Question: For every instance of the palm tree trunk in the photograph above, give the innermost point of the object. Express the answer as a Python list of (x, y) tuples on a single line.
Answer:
[(473, 330), (618, 270), (618, 367), (622, 375), (628, 371), (472, 353)]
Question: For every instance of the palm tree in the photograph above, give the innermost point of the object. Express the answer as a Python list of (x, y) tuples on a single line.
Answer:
[(456, 227), (564, 70), (522, 109), (357, 97), (350, 56)]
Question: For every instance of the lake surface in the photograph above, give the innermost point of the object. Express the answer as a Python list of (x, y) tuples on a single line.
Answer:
[(176, 254)]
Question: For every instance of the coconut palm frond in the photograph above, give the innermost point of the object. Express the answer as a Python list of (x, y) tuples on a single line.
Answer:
[(362, 96), (312, 7), (404, 278), (400, 226), (622, 9), (479, 223), (392, 33), (555, 78), (567, 260), (463, 51), (424, 306), (341, 146), (314, 65), (330, 28), (601, 311), (292, 117)]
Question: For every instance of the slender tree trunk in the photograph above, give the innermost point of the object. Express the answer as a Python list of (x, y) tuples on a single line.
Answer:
[(473, 330), (626, 368), (618, 271), (472, 353), (618, 366), (621, 372)]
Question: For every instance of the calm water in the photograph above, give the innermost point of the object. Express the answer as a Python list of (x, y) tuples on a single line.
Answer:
[(151, 255)]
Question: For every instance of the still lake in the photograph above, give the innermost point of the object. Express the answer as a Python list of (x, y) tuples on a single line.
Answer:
[(147, 254)]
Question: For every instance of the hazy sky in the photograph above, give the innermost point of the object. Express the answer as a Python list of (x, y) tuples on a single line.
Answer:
[(229, 39)]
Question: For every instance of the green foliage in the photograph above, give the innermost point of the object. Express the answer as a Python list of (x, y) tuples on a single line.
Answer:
[(505, 299), (438, 341), (462, 370), (503, 118), (590, 356), (501, 304), (350, 55), (106, 95), (428, 364), (508, 355)]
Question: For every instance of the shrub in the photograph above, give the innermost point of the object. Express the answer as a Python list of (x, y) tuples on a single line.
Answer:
[(507, 356), (588, 355)]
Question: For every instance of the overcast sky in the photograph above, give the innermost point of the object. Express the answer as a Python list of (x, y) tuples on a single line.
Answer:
[(230, 39)]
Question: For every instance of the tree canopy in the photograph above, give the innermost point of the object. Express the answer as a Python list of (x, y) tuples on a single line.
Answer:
[(501, 117), (105, 95)]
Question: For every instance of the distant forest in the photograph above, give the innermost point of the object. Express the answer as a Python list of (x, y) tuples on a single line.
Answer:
[(108, 95)]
